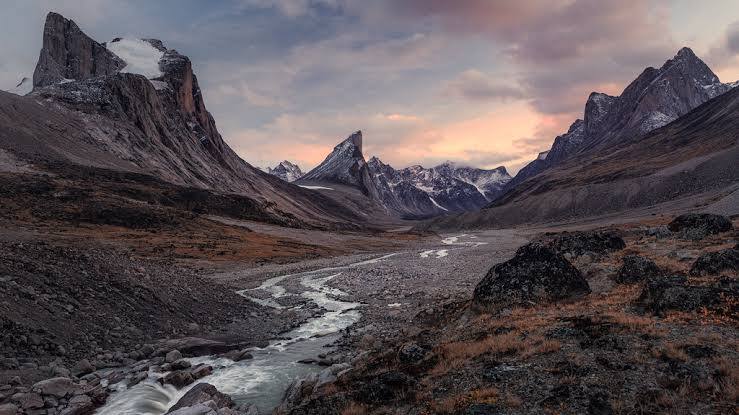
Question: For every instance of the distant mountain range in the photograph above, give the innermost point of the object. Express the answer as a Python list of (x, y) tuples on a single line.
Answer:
[(671, 135), (286, 171), (412, 192), (134, 106)]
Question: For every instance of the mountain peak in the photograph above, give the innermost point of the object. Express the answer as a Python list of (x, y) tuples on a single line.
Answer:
[(286, 171), (345, 165), (355, 139), (68, 53)]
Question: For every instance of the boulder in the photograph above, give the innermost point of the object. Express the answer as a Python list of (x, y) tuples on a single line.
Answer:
[(536, 274), (83, 367), (204, 408), (411, 353), (8, 409), (200, 393), (674, 293), (636, 268), (238, 355), (714, 263), (78, 405), (173, 356), (58, 387), (195, 346), (178, 379), (579, 243), (180, 364), (28, 400), (201, 371), (699, 225)]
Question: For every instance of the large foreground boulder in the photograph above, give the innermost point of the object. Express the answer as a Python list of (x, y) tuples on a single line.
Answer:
[(699, 225), (579, 243), (536, 274), (714, 263)]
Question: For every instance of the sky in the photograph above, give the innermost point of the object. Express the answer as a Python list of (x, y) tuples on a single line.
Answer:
[(479, 82)]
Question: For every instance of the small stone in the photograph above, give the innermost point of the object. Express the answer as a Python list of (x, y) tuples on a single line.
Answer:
[(179, 364), (83, 367), (172, 356)]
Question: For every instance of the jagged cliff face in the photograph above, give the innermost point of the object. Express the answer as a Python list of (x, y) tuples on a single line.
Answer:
[(141, 103), (345, 165), (68, 53), (654, 99)]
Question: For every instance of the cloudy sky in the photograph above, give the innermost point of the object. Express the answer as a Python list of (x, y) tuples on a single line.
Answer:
[(482, 82)]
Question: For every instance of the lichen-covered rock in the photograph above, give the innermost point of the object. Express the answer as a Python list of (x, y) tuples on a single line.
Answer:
[(675, 293), (579, 243), (714, 263), (636, 268), (700, 225), (411, 353), (384, 388), (536, 274)]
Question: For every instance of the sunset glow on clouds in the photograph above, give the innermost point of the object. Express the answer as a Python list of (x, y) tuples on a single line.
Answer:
[(484, 82)]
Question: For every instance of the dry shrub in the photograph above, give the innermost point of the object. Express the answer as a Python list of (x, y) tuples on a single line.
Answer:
[(354, 408), (513, 401), (672, 351), (542, 347), (727, 370), (454, 404)]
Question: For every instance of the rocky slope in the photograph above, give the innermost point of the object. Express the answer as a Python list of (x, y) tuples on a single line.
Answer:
[(286, 171), (140, 112), (654, 99), (555, 329)]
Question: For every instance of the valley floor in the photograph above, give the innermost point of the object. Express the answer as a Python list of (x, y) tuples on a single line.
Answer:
[(104, 292)]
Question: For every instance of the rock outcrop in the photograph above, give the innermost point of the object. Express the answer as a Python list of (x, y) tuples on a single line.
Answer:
[(593, 242), (536, 274), (636, 268), (699, 225), (716, 263), (286, 171), (69, 54)]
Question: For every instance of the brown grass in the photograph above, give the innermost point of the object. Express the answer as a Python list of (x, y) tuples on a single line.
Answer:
[(453, 404), (353, 408), (728, 377)]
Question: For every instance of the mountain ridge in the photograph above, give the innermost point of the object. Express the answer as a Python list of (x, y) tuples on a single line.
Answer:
[(653, 99)]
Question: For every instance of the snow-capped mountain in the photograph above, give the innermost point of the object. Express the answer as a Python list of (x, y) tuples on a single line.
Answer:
[(412, 191), (24, 87), (345, 165), (286, 171), (654, 99), (138, 107)]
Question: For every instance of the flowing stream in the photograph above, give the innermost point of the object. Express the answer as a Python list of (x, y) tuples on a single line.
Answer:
[(263, 379)]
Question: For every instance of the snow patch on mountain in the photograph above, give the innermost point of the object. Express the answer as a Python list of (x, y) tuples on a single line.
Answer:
[(140, 56), (286, 171)]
